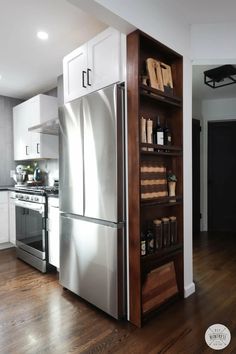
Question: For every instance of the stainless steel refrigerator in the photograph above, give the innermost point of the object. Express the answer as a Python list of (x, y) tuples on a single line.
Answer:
[(92, 199)]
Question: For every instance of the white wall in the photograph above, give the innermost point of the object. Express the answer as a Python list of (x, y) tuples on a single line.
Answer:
[(213, 43), (197, 109), (155, 18), (197, 114), (6, 139), (212, 110)]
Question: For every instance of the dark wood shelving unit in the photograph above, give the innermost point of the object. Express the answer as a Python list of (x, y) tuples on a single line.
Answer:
[(155, 279)]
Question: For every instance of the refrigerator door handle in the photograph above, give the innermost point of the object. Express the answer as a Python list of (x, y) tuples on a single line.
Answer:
[(118, 225)]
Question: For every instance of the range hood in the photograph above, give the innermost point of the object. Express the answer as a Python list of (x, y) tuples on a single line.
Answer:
[(50, 127)]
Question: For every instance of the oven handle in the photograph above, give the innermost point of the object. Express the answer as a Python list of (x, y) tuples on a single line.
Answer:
[(31, 206)]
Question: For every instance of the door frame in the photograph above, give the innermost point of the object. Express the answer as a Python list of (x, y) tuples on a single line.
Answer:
[(197, 123)]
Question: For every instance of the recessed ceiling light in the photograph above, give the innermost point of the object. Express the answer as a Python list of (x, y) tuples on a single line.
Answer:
[(42, 35)]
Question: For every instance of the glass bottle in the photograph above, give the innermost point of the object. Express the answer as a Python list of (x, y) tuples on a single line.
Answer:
[(159, 134), (167, 135)]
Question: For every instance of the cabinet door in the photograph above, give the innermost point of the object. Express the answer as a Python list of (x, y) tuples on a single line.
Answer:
[(53, 235), (21, 135), (31, 145), (43, 108), (104, 60), (4, 231), (12, 221), (75, 74)]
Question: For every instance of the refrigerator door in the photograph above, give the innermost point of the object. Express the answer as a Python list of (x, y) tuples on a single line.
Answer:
[(89, 263), (71, 158), (103, 154)]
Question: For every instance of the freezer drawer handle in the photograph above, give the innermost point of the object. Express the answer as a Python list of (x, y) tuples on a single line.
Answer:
[(88, 78), (83, 73)]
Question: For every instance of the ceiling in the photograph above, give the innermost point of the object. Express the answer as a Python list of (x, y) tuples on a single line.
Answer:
[(205, 11), (202, 91), (28, 65)]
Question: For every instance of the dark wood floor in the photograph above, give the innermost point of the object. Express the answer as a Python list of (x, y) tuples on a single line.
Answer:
[(38, 316)]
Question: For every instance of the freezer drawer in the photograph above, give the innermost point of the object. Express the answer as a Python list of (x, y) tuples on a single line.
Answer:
[(89, 259)]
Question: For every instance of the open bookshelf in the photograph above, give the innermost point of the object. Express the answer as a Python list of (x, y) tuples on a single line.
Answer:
[(156, 279)]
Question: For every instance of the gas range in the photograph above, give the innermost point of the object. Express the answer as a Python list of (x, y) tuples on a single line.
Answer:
[(35, 194), (31, 207)]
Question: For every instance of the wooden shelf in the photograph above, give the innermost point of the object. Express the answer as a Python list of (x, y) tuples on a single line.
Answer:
[(172, 150), (164, 201), (158, 309), (160, 96), (162, 253)]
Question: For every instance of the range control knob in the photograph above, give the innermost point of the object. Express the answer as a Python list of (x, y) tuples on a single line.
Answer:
[(27, 197), (21, 196), (36, 199)]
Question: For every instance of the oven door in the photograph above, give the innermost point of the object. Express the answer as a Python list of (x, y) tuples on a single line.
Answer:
[(31, 228)]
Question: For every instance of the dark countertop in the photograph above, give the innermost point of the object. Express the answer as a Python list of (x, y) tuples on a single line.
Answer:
[(13, 188), (6, 188)]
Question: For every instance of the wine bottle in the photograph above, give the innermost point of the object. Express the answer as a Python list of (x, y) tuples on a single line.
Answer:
[(159, 134), (167, 135)]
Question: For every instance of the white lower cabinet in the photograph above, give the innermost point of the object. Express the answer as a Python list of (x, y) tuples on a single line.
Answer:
[(12, 219), (4, 230), (53, 232)]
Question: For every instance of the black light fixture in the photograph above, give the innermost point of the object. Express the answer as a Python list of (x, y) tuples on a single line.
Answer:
[(222, 76)]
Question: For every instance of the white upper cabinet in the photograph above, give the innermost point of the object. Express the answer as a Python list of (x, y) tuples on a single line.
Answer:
[(94, 65), (74, 74), (31, 145), (104, 60)]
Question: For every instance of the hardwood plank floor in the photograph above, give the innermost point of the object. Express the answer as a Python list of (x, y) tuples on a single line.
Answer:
[(38, 316)]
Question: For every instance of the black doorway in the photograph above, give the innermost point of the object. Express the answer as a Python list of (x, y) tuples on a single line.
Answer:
[(221, 175), (196, 175)]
